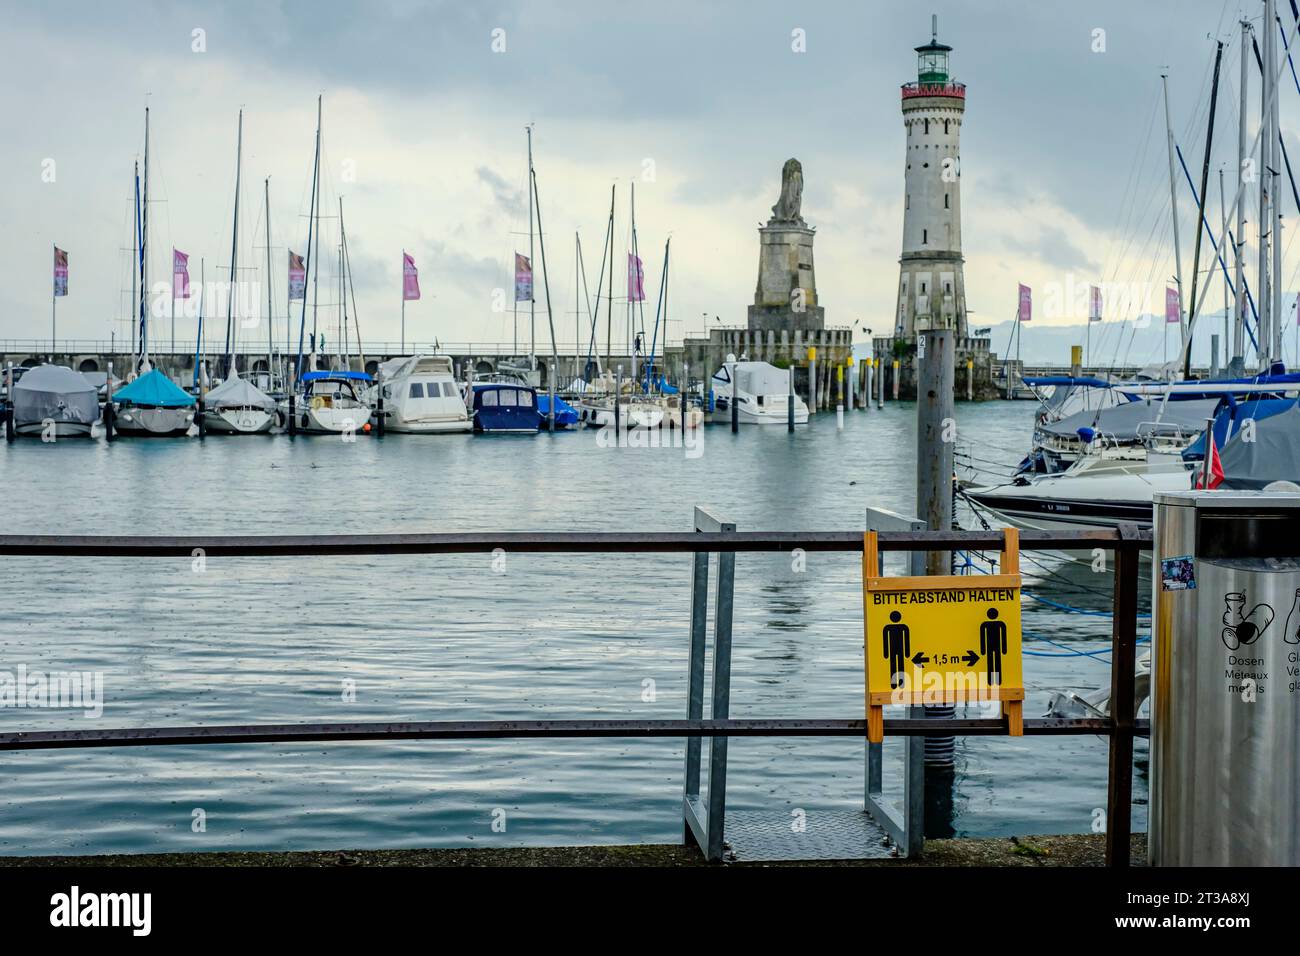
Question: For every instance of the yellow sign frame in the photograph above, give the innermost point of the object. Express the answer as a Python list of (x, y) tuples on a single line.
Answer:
[(1011, 698)]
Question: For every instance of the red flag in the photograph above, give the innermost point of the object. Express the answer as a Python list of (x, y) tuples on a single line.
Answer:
[(410, 278), (1216, 468), (1173, 307)]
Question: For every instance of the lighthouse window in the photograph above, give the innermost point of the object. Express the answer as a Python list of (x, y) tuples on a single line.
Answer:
[(907, 201), (945, 200), (925, 238), (945, 126), (922, 288), (947, 288), (927, 126)]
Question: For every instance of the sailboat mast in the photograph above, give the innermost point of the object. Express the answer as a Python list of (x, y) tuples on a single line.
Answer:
[(1173, 209), (1274, 168), (315, 295), (311, 223), (609, 306), (631, 288), (1264, 285), (270, 318), (135, 262), (1239, 318), (144, 251), (347, 271), (577, 300), (234, 252), (532, 293), (550, 316), (343, 293)]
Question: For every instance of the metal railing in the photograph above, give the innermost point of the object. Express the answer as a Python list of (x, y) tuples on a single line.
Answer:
[(704, 820)]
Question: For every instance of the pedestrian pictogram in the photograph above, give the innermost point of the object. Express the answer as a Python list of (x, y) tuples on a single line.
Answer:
[(943, 639)]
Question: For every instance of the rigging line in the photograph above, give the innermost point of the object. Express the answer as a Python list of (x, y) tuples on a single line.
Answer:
[(1219, 255)]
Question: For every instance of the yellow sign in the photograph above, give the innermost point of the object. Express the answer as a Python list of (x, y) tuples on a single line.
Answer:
[(942, 639)]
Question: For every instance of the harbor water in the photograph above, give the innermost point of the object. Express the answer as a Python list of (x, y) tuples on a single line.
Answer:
[(481, 636)]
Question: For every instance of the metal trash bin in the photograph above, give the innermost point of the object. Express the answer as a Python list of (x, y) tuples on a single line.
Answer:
[(1225, 701)]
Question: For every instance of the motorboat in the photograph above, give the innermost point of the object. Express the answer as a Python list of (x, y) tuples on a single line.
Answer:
[(503, 408), (153, 406), (761, 391), (1096, 491), (421, 396), (330, 403), (238, 407), (54, 402)]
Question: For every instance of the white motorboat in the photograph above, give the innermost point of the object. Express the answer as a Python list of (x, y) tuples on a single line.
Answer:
[(762, 394), (238, 407), (330, 404), (54, 402), (421, 396), (1097, 491)]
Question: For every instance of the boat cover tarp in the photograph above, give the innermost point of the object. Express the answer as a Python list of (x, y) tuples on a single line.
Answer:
[(1132, 421), (760, 378), (1232, 417), (236, 392), (1273, 455), (565, 414), (154, 389), (353, 376), (56, 393)]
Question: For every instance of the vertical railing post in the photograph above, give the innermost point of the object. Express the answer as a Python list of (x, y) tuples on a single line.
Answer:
[(1119, 798), (695, 683), (721, 696)]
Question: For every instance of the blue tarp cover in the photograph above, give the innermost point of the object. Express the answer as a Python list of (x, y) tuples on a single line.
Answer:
[(355, 376), (154, 388)]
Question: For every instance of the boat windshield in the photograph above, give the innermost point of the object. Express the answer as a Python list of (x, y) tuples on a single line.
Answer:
[(340, 390)]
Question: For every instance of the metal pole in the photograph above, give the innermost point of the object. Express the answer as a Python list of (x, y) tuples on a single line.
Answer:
[(839, 397), (550, 417), (934, 453), (9, 402), (789, 400), (897, 366), (735, 403), (381, 416), (108, 404), (1123, 657), (618, 395), (812, 381), (1173, 209)]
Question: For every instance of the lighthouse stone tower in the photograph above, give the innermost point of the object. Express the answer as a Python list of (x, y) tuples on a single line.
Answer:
[(931, 289)]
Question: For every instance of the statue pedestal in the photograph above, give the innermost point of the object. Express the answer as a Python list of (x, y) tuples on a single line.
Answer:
[(786, 296)]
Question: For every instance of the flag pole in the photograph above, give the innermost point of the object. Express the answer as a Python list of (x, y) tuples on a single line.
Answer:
[(403, 301), (54, 302)]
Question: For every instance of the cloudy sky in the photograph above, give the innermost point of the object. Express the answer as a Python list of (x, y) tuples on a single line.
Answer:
[(1064, 171)]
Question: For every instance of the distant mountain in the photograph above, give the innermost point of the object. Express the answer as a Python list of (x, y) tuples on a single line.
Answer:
[(1143, 342)]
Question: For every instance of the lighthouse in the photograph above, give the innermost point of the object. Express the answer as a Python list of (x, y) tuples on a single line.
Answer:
[(931, 289)]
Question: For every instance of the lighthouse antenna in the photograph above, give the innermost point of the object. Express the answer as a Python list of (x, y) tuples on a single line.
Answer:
[(934, 28)]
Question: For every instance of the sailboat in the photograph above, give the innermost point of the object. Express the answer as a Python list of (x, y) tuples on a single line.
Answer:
[(152, 405), (237, 406), (327, 402)]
